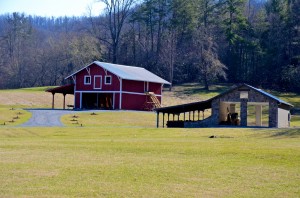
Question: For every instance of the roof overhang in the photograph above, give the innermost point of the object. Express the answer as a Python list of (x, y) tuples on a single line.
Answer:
[(65, 89), (177, 109)]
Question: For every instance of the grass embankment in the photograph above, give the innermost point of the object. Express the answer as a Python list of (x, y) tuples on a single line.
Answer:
[(126, 162), (12, 116)]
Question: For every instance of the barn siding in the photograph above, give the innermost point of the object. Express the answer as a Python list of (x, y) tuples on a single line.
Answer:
[(96, 70), (133, 101), (133, 86), (77, 100), (155, 87)]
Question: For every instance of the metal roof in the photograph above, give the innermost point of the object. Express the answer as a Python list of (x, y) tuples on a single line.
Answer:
[(128, 72), (269, 95), (177, 109)]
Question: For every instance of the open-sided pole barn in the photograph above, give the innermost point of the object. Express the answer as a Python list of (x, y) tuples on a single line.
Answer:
[(235, 107)]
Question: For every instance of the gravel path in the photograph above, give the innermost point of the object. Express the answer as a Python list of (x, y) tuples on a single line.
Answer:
[(46, 118)]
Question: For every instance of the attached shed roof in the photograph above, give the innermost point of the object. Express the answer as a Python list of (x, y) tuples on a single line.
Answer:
[(65, 89), (177, 109), (127, 72)]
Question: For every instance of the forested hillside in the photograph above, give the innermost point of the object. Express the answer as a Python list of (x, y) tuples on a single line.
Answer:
[(252, 41)]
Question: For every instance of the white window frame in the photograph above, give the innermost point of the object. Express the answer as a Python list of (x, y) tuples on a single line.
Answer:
[(97, 76), (244, 95), (85, 77), (108, 76)]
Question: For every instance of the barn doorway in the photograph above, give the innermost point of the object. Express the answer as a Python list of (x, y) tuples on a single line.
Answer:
[(97, 101), (229, 113), (258, 114)]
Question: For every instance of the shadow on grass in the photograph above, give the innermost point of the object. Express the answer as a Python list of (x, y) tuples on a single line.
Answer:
[(293, 133)]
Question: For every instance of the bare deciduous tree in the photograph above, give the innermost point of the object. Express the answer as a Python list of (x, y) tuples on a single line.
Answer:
[(116, 12)]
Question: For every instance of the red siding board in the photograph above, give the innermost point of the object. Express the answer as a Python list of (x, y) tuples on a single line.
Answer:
[(133, 101), (155, 87), (77, 100), (133, 86)]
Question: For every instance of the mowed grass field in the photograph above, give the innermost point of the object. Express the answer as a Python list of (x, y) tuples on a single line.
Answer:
[(122, 154), (149, 162)]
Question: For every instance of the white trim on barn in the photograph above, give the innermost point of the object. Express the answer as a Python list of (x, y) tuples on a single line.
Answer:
[(95, 77), (110, 81), (85, 81), (125, 92)]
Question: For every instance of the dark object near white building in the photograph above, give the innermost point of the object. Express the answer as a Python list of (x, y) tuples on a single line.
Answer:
[(243, 105)]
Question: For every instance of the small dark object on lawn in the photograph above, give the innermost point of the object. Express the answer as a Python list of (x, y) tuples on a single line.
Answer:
[(75, 116), (93, 113), (12, 108), (11, 120), (81, 125), (19, 113), (212, 136), (4, 123), (73, 120), (16, 117)]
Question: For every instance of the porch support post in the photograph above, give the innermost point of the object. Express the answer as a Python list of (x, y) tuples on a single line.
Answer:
[(53, 99), (193, 115), (163, 120), (184, 116), (198, 115), (258, 115), (244, 112), (157, 119), (64, 105)]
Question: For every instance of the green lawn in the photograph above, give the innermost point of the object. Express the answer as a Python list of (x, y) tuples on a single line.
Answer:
[(122, 154), (140, 162)]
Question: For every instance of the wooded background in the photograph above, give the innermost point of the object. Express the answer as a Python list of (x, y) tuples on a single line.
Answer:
[(207, 41)]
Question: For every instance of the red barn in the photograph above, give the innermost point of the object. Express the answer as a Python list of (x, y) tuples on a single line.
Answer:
[(102, 85)]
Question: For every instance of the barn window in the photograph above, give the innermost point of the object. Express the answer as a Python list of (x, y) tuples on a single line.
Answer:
[(108, 80), (87, 80), (244, 94)]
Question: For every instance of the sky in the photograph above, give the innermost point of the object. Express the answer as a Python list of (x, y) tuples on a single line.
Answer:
[(50, 8)]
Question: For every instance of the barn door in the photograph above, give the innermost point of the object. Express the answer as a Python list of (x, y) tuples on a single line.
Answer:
[(97, 82)]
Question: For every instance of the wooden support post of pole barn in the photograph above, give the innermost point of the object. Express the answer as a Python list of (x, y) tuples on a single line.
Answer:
[(157, 119), (53, 100), (64, 105), (163, 120)]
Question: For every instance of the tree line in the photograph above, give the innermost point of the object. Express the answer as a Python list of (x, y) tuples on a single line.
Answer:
[(207, 41)]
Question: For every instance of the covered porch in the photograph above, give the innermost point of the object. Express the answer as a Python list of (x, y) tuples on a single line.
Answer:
[(182, 115), (64, 90)]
